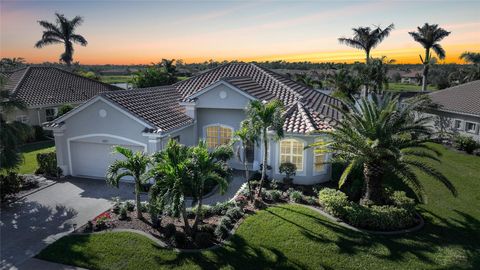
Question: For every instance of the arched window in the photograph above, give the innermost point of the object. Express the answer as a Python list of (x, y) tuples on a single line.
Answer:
[(318, 161), (291, 150), (216, 135)]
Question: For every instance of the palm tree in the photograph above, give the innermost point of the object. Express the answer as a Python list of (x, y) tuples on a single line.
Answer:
[(134, 165), (429, 36), (63, 31), (205, 167), (12, 134), (307, 80), (474, 59), (172, 176), (246, 138), (262, 118), (380, 136), (366, 39), (345, 84)]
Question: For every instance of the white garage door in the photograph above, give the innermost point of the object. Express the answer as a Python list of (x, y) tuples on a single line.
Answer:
[(92, 159)]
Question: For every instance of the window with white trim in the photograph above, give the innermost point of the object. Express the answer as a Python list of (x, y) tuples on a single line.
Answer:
[(51, 113), (291, 150), (217, 135), (318, 160), (22, 119), (457, 124), (470, 127)]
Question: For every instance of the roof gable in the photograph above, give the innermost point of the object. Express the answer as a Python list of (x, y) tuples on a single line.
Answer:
[(464, 98)]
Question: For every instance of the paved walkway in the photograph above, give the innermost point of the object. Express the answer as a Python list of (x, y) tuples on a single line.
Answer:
[(31, 223)]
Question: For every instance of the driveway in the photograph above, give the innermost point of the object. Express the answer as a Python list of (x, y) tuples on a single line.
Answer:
[(30, 224)]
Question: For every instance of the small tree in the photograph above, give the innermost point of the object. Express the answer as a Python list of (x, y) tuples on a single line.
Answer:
[(289, 169), (134, 165), (64, 109), (246, 138)]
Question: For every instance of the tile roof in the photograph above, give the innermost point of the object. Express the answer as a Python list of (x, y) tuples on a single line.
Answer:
[(463, 99), (157, 106), (299, 118), (42, 86)]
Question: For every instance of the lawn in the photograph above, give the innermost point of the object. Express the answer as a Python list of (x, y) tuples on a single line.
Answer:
[(401, 87), (116, 78), (30, 152), (295, 237)]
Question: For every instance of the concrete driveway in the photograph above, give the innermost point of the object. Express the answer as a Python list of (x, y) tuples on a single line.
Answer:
[(30, 224)]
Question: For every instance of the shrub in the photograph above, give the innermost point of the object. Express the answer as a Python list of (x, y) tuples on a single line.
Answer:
[(179, 239), (295, 196), (310, 200), (64, 109), (203, 239), (234, 213), (226, 221), (144, 206), (47, 164), (102, 221), (400, 199), (273, 195), (289, 169), (10, 184), (89, 226), (333, 201), (38, 133), (129, 205), (123, 213), (241, 201), (207, 228), (466, 143), (220, 208), (169, 230)]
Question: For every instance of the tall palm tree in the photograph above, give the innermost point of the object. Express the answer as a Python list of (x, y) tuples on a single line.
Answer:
[(12, 134), (246, 138), (345, 84), (134, 165), (366, 38), (62, 32), (205, 167), (262, 118), (380, 136), (429, 36)]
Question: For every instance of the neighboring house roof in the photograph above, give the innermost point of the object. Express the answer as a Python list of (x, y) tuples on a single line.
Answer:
[(463, 99), (307, 109), (43, 86)]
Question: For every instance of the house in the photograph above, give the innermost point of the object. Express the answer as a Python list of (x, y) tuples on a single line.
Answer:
[(209, 106), (413, 77), (45, 89), (457, 109)]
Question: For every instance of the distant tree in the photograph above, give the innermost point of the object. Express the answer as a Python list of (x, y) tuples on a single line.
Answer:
[(345, 84), (307, 80), (62, 32), (396, 77), (374, 75), (64, 109), (158, 74), (366, 39), (11, 63), (471, 57), (89, 74), (429, 36), (472, 73)]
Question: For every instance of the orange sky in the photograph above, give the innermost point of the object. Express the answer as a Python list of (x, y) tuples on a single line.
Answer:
[(141, 32)]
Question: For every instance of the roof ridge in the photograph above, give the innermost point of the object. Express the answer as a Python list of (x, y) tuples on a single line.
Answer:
[(206, 71), (306, 112), (143, 89), (27, 70), (276, 80), (80, 76)]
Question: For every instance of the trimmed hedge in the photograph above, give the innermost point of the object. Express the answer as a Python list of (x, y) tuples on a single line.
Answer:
[(47, 164), (399, 215)]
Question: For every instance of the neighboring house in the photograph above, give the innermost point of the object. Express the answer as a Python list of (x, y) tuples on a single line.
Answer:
[(458, 109), (209, 106), (411, 77), (45, 89)]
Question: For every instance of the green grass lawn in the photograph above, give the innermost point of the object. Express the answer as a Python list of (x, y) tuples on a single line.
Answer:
[(30, 151), (295, 237), (400, 87), (116, 78)]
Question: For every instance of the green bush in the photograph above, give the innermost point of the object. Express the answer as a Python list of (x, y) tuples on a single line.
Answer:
[(289, 169), (310, 200), (221, 231), (465, 143), (399, 215), (220, 208), (179, 239), (295, 196), (122, 213), (203, 239), (234, 213), (169, 230), (10, 184), (129, 205), (39, 133), (47, 164), (273, 195)]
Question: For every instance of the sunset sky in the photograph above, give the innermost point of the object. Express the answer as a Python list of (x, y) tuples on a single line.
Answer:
[(137, 32)]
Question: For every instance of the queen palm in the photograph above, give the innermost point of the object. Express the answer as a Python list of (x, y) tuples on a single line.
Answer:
[(246, 138), (429, 36), (366, 38), (263, 117), (62, 32), (134, 165), (380, 136), (474, 59)]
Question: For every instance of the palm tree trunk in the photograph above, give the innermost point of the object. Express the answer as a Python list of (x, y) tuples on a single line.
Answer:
[(264, 166), (185, 219), (425, 69), (246, 174), (137, 197), (373, 173), (199, 211), (367, 60)]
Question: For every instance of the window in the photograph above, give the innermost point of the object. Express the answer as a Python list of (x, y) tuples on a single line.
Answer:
[(51, 113), (218, 135), (470, 127), (457, 124), (318, 161), (292, 151), (22, 119)]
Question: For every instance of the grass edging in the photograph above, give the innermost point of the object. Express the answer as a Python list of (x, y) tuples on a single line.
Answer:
[(346, 225)]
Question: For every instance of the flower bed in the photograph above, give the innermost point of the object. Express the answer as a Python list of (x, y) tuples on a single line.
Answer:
[(398, 215), (217, 223)]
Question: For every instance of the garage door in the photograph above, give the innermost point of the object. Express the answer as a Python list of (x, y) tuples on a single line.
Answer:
[(92, 159)]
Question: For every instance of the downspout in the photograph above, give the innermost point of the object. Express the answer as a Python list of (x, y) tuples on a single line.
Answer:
[(38, 115)]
